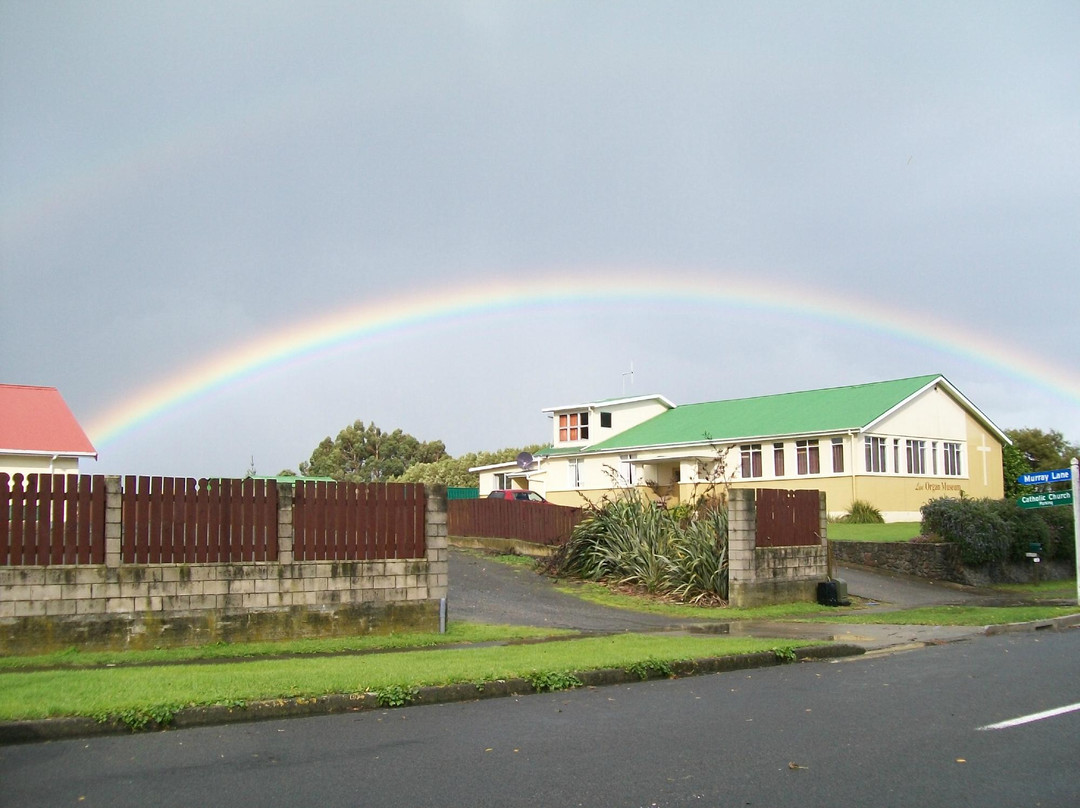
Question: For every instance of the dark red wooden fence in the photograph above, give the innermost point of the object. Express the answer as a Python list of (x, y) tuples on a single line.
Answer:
[(535, 522), (358, 521), (52, 519), (788, 518), (60, 519), (171, 520)]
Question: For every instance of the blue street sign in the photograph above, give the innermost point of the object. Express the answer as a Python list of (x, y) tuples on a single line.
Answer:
[(1043, 477)]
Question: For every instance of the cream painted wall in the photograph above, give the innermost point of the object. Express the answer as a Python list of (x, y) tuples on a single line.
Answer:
[(934, 415), (623, 417), (12, 464)]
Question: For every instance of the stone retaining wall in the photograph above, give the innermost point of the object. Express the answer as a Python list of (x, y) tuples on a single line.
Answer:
[(940, 561)]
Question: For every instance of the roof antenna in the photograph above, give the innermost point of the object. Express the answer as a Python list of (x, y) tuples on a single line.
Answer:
[(629, 373)]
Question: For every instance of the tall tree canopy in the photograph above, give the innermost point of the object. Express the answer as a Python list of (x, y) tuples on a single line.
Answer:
[(1034, 450), (367, 454), (454, 471), (1043, 450)]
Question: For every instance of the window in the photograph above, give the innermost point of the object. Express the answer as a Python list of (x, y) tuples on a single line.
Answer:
[(575, 474), (778, 459), (751, 460), (573, 426), (806, 457), (952, 459), (626, 469), (838, 455), (916, 457), (933, 456), (605, 420), (875, 454), (896, 455)]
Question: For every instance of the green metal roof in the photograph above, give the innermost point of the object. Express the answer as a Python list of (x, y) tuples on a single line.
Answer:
[(808, 412)]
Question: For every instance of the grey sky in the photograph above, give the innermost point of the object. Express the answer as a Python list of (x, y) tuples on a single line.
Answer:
[(179, 178)]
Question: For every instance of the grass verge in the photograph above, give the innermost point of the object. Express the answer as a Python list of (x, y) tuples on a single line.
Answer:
[(892, 531), (602, 595), (952, 615), (1044, 590), (456, 633), (158, 692)]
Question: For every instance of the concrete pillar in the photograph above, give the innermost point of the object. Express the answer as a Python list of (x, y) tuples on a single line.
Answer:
[(742, 533), (435, 537), (285, 492), (113, 522)]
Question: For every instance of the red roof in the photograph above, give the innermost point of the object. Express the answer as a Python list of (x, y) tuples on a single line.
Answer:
[(35, 420)]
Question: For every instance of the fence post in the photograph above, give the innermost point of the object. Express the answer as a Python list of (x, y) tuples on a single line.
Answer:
[(435, 537), (114, 502), (286, 492), (742, 535)]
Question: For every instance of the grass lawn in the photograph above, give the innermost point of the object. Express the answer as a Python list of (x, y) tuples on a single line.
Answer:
[(600, 594), (1050, 590), (952, 615), (159, 690), (456, 633), (892, 531)]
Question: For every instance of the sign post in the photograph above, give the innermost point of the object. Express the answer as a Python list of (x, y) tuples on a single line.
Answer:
[(1071, 497), (1074, 466)]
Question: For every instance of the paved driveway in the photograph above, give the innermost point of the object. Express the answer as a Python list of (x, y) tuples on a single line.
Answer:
[(486, 591)]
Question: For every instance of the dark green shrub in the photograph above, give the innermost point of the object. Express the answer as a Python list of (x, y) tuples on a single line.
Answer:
[(993, 531), (974, 524), (1061, 530), (1025, 528)]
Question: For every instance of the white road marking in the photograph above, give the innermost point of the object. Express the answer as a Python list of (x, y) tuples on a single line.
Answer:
[(1027, 719)]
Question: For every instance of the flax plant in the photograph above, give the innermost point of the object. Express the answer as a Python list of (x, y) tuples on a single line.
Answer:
[(631, 540)]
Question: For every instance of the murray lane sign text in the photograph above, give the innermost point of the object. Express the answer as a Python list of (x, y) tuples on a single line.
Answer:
[(1043, 477)]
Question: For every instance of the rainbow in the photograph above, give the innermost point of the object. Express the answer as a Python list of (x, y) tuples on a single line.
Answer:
[(308, 339)]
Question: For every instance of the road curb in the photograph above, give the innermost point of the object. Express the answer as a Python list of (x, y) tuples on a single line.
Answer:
[(1051, 623), (56, 729)]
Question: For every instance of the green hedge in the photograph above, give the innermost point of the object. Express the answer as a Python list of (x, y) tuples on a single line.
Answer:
[(998, 530)]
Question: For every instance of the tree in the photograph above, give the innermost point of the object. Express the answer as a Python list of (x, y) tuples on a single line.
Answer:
[(1013, 464), (1033, 450), (1043, 450), (454, 471), (367, 454)]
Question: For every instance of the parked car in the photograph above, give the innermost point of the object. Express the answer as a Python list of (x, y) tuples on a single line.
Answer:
[(520, 494)]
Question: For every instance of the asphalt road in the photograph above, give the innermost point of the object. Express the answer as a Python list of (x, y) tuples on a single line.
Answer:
[(893, 730)]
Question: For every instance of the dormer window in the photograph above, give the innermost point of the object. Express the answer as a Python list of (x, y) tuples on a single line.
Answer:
[(573, 426)]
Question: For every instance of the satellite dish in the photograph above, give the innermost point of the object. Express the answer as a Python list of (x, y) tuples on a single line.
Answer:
[(524, 460)]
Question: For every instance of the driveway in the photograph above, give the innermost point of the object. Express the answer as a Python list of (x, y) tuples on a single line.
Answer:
[(487, 591)]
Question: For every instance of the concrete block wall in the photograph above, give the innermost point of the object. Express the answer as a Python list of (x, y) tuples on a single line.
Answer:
[(118, 605), (759, 576)]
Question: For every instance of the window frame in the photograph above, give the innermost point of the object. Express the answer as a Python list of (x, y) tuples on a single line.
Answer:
[(750, 461), (953, 454), (915, 451), (807, 457), (573, 426), (838, 455), (876, 454)]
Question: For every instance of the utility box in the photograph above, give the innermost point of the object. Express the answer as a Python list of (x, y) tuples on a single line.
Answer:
[(833, 593)]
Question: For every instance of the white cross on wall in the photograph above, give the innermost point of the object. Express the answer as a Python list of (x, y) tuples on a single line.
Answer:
[(983, 450)]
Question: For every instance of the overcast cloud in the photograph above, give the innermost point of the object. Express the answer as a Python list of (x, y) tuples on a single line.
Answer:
[(179, 178)]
